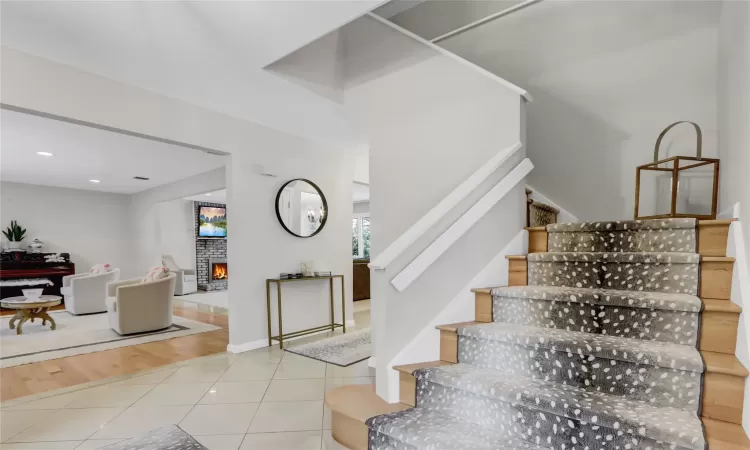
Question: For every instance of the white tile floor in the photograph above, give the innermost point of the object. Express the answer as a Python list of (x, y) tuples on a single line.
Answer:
[(266, 399), (261, 400)]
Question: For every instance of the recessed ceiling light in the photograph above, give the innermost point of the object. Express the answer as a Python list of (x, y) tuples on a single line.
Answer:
[(45, 154), (94, 181), (208, 195)]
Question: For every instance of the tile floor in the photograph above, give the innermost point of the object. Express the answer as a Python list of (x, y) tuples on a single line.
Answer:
[(261, 400), (265, 399)]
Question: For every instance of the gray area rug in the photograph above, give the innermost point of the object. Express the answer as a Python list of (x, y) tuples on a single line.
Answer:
[(167, 438), (598, 352), (342, 350)]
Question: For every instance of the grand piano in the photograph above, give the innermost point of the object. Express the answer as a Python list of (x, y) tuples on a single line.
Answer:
[(33, 266)]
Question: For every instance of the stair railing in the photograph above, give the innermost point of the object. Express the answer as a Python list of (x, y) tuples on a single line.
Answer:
[(440, 245)]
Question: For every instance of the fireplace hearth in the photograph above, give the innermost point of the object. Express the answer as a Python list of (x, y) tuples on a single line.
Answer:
[(218, 270)]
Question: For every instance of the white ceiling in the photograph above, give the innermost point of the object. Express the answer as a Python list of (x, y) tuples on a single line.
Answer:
[(211, 54), (82, 153), (219, 196)]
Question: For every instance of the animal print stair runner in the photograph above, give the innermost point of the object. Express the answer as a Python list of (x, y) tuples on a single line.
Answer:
[(598, 352)]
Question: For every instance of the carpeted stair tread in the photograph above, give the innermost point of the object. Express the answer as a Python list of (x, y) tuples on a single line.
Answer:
[(617, 257), (657, 316), (424, 429), (598, 296), (625, 225), (618, 414), (653, 353), (646, 271), (663, 235)]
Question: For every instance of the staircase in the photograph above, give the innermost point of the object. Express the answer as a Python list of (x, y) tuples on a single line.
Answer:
[(611, 335)]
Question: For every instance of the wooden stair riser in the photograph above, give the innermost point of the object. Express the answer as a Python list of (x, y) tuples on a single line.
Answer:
[(716, 278), (713, 236), (719, 331), (349, 432), (537, 239), (518, 272), (722, 394), (483, 307), (407, 389)]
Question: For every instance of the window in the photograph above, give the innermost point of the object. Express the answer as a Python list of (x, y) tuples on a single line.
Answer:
[(361, 236)]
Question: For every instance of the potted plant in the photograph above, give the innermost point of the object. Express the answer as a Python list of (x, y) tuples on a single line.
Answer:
[(15, 235)]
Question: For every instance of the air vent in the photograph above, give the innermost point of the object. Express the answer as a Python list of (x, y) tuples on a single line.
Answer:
[(141, 178)]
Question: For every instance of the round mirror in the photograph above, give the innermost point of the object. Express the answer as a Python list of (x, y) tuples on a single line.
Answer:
[(301, 208)]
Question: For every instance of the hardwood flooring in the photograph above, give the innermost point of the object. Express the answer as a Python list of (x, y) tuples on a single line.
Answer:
[(44, 376)]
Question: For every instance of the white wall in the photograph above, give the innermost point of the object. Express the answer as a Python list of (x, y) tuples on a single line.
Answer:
[(734, 144), (92, 226), (430, 122), (734, 110), (606, 78), (260, 248), (361, 208), (145, 215), (176, 224)]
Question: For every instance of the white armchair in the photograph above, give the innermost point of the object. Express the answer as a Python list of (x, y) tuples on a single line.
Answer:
[(137, 307), (187, 280), (86, 293)]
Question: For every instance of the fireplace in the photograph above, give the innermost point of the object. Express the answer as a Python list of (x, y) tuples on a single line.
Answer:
[(218, 270)]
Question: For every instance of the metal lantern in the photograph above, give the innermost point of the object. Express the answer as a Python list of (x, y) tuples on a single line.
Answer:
[(680, 186)]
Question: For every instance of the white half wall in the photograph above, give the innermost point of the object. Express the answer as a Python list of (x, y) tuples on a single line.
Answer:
[(431, 122), (92, 226)]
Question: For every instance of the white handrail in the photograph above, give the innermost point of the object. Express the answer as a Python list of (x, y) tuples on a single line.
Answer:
[(461, 226), (397, 247)]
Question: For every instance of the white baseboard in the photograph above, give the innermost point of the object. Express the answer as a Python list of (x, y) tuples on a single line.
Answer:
[(247, 346)]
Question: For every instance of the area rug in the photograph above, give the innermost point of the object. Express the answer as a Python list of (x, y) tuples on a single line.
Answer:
[(342, 350), (76, 335), (167, 438)]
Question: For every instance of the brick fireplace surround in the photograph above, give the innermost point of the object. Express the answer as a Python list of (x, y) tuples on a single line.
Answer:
[(206, 249)]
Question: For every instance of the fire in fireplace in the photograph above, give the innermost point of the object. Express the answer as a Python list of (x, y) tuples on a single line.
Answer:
[(218, 270)]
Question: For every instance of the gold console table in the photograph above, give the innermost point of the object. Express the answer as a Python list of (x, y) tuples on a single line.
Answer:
[(332, 326)]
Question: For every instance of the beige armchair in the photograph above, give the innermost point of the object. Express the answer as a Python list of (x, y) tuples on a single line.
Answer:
[(136, 307), (86, 293)]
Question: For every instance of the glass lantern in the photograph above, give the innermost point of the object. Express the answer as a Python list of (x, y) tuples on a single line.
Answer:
[(680, 186)]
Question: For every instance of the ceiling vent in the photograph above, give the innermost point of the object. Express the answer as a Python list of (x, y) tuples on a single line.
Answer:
[(141, 178)]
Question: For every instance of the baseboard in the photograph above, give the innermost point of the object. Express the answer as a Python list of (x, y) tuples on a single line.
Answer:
[(247, 346)]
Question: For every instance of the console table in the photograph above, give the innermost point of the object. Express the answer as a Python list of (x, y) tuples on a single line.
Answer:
[(332, 326)]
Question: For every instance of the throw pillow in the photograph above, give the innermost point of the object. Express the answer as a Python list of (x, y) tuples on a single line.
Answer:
[(97, 269), (155, 273)]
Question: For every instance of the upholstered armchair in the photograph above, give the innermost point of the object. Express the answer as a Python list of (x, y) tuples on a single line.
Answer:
[(135, 306), (187, 280), (86, 293)]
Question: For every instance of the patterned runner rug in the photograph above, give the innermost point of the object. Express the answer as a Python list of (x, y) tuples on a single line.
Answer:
[(342, 350)]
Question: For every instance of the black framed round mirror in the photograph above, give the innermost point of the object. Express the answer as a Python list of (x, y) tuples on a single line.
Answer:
[(301, 208)]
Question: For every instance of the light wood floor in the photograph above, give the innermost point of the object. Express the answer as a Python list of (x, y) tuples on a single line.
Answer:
[(44, 376)]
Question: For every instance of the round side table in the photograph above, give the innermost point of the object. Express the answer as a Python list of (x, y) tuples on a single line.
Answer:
[(27, 310)]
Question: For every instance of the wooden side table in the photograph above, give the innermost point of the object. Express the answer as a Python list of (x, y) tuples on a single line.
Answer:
[(332, 326), (28, 311)]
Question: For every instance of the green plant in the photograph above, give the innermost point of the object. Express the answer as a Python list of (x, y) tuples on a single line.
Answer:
[(15, 233)]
